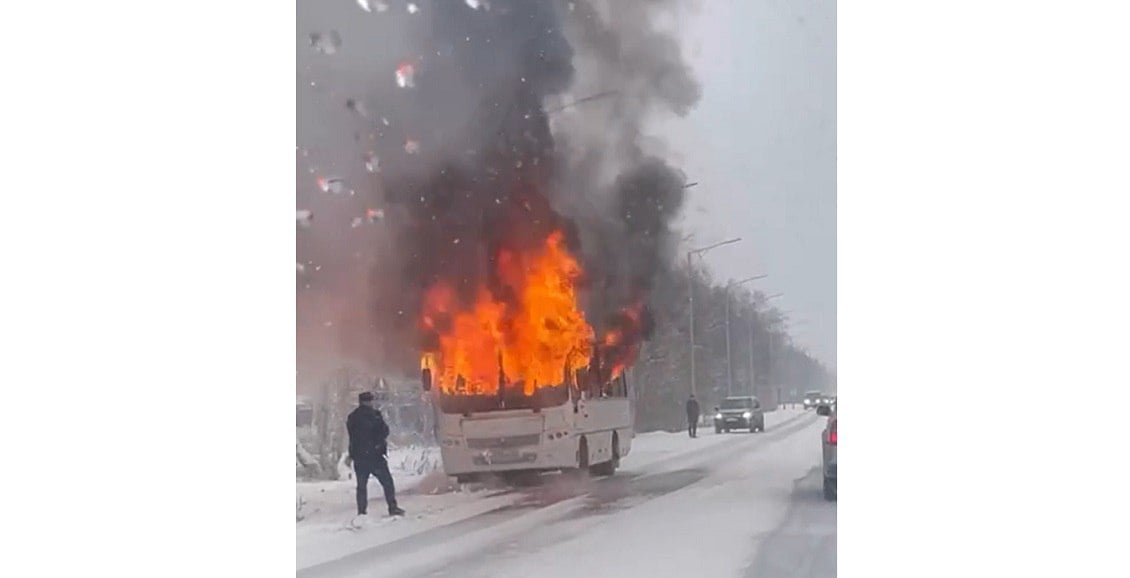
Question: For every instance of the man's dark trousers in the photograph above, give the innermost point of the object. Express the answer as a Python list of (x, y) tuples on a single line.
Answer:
[(377, 467)]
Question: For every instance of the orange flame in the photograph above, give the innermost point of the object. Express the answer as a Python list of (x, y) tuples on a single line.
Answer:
[(615, 339), (534, 335)]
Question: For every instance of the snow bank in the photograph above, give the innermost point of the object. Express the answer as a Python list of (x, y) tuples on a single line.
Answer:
[(327, 508), (409, 466)]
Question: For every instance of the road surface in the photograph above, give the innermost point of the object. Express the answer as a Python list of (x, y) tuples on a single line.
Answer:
[(721, 505), (804, 545)]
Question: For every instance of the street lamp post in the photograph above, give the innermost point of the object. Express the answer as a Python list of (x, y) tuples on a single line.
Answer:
[(690, 293), (729, 360), (768, 373)]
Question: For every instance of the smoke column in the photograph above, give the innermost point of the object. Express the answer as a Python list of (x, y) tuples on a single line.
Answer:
[(505, 122)]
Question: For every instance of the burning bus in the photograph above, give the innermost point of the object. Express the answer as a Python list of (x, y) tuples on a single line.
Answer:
[(521, 384), (579, 424)]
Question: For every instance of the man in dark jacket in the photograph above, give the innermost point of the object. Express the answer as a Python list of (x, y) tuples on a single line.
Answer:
[(368, 447), (692, 416)]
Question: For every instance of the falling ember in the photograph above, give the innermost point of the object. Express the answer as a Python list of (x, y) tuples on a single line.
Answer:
[(411, 147), (303, 217), (405, 75), (535, 335), (332, 185), (374, 214), (372, 162)]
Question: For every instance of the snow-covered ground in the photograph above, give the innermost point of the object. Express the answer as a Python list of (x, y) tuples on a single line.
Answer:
[(328, 499), (327, 508), (728, 487), (651, 447)]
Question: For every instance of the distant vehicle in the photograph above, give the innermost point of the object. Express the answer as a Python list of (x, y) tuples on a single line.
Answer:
[(812, 399), (829, 437), (826, 400), (742, 412)]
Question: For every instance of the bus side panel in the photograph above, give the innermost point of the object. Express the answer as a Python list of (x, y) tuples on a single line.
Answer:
[(597, 419), (603, 415)]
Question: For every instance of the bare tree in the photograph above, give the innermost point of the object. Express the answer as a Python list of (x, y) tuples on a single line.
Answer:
[(337, 397)]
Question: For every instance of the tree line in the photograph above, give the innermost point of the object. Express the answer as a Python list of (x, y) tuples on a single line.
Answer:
[(662, 378)]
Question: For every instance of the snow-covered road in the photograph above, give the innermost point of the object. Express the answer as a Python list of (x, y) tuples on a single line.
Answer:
[(804, 546), (724, 505)]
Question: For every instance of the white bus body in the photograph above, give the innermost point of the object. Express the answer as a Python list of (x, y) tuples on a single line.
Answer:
[(591, 429)]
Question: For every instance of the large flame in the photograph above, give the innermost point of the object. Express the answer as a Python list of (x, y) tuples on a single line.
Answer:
[(534, 335)]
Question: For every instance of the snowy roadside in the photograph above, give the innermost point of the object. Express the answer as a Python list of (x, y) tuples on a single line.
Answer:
[(410, 467), (656, 446), (326, 534), (331, 537)]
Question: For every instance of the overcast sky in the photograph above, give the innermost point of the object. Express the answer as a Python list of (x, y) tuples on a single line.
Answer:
[(762, 145)]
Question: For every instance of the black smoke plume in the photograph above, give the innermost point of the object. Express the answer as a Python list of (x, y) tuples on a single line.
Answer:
[(524, 117)]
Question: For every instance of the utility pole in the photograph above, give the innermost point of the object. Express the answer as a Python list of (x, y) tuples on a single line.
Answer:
[(769, 363), (729, 362), (690, 293), (752, 375), (729, 359)]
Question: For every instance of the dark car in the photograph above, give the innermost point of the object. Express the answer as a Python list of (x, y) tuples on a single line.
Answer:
[(742, 412), (829, 438), (825, 401)]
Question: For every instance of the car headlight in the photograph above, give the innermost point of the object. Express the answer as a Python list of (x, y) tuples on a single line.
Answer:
[(717, 416), (747, 415)]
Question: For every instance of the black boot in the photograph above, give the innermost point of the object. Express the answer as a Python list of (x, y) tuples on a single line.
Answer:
[(395, 510)]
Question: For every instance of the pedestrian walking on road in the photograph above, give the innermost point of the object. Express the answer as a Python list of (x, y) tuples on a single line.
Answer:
[(368, 448), (692, 416)]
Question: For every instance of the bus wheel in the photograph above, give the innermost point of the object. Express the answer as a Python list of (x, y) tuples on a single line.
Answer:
[(608, 468), (583, 455)]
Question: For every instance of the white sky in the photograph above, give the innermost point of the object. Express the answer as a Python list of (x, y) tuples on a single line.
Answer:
[(762, 145)]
